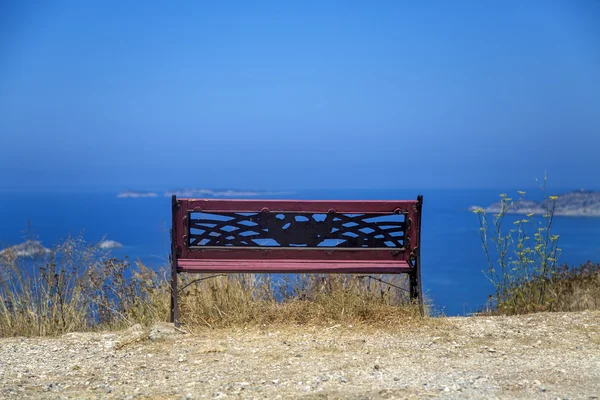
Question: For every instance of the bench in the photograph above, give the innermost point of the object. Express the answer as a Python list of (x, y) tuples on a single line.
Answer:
[(289, 236)]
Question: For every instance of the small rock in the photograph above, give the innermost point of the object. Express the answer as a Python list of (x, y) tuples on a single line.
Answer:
[(110, 344), (343, 379), (136, 331), (163, 331)]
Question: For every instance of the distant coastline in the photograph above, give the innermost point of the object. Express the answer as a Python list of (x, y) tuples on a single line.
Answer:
[(222, 193), (574, 204), (201, 193)]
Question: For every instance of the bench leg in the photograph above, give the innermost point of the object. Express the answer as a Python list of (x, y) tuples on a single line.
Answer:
[(415, 287), (174, 296)]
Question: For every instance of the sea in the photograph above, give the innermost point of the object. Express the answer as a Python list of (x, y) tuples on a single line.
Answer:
[(453, 260)]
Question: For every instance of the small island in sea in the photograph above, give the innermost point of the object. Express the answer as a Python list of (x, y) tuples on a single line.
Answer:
[(29, 248), (136, 194), (110, 244), (581, 203)]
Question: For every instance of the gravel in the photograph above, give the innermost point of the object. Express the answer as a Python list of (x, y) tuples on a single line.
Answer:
[(541, 356)]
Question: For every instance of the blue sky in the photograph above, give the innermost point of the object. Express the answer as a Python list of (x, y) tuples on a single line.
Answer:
[(290, 95)]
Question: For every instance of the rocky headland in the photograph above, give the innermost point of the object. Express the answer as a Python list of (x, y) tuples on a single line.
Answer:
[(574, 204)]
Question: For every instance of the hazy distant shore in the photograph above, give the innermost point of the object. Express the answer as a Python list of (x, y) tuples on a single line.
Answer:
[(34, 248), (136, 194), (190, 192)]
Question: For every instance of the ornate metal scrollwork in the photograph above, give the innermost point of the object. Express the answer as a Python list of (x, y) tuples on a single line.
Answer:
[(294, 229)]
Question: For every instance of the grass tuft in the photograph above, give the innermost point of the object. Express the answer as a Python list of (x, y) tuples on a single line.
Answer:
[(523, 263)]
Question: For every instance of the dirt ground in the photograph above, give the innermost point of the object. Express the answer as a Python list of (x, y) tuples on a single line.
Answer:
[(541, 356)]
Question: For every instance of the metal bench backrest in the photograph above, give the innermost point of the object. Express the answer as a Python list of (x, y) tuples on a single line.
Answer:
[(290, 229)]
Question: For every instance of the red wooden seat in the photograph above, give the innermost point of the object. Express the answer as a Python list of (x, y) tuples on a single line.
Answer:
[(294, 266)]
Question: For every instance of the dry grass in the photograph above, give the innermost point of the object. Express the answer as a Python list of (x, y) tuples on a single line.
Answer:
[(302, 300), (76, 287), (79, 287), (568, 289), (577, 289)]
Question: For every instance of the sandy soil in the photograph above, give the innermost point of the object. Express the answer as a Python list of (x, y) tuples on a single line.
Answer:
[(542, 356)]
